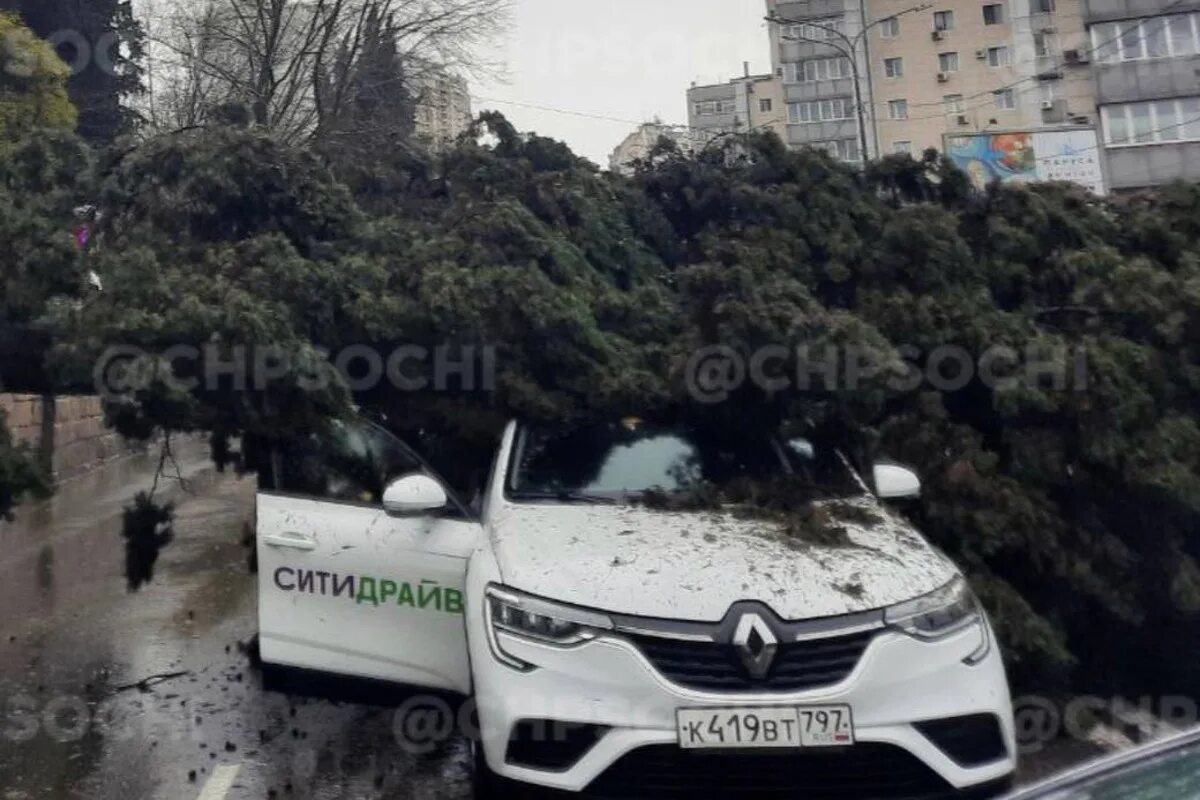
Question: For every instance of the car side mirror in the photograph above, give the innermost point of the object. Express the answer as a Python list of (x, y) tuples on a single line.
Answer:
[(894, 482), (413, 495)]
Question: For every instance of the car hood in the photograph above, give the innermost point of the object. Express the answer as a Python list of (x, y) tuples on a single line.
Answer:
[(695, 565)]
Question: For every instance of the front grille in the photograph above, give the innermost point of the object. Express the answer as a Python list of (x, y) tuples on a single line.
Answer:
[(709, 666), (867, 771), (971, 741), (550, 745)]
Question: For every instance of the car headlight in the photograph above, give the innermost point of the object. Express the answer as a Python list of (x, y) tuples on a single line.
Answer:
[(538, 620), (937, 614)]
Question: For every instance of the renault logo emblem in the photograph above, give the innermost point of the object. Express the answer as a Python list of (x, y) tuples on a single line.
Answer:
[(757, 645)]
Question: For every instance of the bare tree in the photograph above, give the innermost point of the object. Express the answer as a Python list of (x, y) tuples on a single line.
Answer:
[(291, 62), (182, 92)]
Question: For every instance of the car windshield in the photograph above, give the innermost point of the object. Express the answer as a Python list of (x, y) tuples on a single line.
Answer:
[(628, 459), (1170, 776)]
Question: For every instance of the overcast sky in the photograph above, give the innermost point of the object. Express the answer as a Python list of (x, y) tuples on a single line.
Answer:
[(630, 60)]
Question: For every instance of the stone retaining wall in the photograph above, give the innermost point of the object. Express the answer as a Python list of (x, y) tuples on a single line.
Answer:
[(68, 433)]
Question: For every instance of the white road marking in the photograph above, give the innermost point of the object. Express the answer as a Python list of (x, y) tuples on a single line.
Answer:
[(220, 783)]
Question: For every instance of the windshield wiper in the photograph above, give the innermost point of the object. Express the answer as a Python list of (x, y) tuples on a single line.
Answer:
[(564, 497)]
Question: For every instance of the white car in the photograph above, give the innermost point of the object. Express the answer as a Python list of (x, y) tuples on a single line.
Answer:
[(618, 643)]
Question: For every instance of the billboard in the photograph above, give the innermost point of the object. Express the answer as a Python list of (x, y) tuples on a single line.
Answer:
[(1067, 155)]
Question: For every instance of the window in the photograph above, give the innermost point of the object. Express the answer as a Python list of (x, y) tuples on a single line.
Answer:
[(943, 20), (897, 109), (1131, 42), (902, 147), (890, 28), (352, 463), (998, 56), (1152, 123), (993, 14), (1178, 768), (1006, 99), (1041, 6), (1047, 92), (1044, 44), (820, 110), (893, 67), (765, 105), (1181, 34), (953, 103), (948, 62), (1189, 111), (817, 29), (841, 149), (1166, 120), (710, 108), (1116, 126), (1142, 122), (1156, 37), (1154, 32), (1106, 42), (822, 69), (609, 461)]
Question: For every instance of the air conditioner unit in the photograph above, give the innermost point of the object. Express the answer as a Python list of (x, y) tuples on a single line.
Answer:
[(943, 77), (962, 120), (1081, 119), (1077, 56), (981, 54), (937, 36), (1048, 29), (1047, 105), (779, 71)]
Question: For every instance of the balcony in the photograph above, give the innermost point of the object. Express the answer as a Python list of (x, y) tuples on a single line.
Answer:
[(1103, 10)]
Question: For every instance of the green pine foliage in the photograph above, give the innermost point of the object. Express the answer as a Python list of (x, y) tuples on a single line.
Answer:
[(33, 83), (20, 474), (1075, 512), (103, 56)]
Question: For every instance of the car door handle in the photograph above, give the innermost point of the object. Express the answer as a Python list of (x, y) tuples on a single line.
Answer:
[(292, 541)]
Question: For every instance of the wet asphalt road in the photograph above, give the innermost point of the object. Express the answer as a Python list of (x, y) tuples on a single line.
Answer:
[(91, 705), (107, 695)]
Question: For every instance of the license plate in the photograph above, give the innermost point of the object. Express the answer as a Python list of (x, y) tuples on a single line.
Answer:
[(794, 727)]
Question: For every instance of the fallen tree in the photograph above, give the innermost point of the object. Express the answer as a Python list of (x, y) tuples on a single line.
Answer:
[(1071, 502)]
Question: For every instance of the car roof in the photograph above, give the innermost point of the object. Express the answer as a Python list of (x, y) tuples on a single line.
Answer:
[(1106, 765)]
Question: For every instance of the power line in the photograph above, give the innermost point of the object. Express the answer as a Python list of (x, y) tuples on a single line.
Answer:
[(1181, 124), (569, 112), (968, 109)]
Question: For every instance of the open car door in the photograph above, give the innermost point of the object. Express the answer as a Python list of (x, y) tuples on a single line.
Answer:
[(344, 587)]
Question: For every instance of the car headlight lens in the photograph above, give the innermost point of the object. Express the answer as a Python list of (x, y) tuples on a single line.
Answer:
[(937, 614), (541, 621)]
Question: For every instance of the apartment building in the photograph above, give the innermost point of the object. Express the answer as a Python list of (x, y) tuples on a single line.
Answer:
[(443, 107), (1145, 55), (1102, 92), (819, 56), (971, 66), (751, 102), (1002, 86), (638, 144)]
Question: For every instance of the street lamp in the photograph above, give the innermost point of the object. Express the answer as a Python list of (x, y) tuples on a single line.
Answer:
[(850, 51)]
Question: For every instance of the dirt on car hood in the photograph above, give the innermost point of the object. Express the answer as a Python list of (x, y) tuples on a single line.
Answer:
[(695, 565)]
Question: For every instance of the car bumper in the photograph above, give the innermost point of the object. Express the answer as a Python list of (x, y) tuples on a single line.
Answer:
[(898, 681)]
